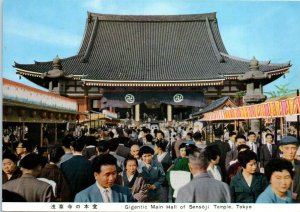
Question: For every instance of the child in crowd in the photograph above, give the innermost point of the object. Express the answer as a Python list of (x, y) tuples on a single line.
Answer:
[(152, 172)]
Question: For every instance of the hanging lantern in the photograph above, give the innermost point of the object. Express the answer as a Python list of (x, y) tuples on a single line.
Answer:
[(43, 114), (33, 113), (7, 111), (58, 116), (50, 115), (21, 112)]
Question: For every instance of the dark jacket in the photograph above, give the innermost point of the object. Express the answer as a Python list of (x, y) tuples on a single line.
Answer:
[(242, 193), (166, 163), (62, 191), (78, 173), (223, 148), (296, 179), (266, 156)]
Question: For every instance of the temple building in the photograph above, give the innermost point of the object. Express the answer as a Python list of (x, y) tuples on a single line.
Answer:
[(148, 68)]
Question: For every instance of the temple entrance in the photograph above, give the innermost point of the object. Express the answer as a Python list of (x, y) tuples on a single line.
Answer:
[(124, 113), (156, 112), (153, 112), (181, 112)]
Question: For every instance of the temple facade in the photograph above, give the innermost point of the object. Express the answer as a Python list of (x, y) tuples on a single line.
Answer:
[(147, 68)]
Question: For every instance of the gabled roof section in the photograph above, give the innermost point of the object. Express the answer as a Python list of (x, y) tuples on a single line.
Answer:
[(173, 48), (217, 104)]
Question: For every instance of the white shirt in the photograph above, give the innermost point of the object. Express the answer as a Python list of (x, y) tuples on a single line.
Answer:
[(269, 147), (215, 172), (130, 177), (161, 157), (102, 192), (140, 166), (252, 146), (231, 144)]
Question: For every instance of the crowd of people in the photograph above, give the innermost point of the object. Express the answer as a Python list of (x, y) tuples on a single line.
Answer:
[(143, 165)]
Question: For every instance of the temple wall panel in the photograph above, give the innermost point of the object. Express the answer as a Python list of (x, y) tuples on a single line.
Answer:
[(71, 89), (79, 89), (211, 89)]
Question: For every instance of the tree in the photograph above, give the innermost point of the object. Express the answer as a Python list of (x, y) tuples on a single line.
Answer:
[(238, 98), (281, 90)]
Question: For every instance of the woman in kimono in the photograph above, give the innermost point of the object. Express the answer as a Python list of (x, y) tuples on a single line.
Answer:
[(133, 180)]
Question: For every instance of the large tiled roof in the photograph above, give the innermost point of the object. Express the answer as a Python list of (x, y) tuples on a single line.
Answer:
[(152, 48)]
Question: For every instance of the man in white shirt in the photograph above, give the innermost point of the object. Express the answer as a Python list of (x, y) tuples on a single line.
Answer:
[(231, 141), (105, 190), (251, 142)]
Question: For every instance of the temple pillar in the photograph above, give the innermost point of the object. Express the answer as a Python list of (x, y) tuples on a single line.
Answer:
[(255, 125), (235, 127), (42, 135), (55, 133), (137, 114), (169, 114), (86, 98)]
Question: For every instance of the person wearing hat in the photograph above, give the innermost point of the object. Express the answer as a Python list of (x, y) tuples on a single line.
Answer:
[(28, 186), (289, 146)]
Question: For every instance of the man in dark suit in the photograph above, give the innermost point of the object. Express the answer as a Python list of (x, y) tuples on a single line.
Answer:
[(123, 150), (104, 190), (91, 143), (223, 149), (231, 141), (24, 148), (77, 170), (231, 156), (113, 145), (268, 151), (28, 186), (252, 143)]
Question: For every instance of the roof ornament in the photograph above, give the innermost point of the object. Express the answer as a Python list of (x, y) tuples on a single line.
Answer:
[(254, 73), (57, 71), (90, 18)]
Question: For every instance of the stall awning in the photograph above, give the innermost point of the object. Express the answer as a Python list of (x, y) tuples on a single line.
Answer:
[(271, 109)]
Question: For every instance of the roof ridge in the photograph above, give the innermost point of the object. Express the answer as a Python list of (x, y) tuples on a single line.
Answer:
[(268, 62), (212, 41), (243, 59), (154, 18), (214, 104), (90, 46)]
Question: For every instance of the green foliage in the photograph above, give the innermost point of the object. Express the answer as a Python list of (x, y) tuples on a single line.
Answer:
[(281, 90), (239, 95)]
